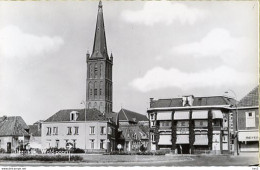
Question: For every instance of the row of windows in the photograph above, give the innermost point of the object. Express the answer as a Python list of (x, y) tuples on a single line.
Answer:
[(95, 105), (215, 137), (97, 71), (101, 144), (54, 132), (75, 130), (95, 90), (101, 107), (92, 143), (184, 123), (57, 143)]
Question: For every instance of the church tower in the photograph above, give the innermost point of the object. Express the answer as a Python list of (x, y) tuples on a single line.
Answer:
[(99, 70)]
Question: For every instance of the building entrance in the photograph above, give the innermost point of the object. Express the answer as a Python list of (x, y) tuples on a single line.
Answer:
[(8, 147), (183, 149)]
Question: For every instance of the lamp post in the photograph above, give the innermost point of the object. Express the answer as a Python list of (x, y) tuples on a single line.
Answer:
[(85, 114), (236, 127)]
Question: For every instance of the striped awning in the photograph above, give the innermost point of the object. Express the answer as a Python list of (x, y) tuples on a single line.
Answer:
[(201, 140), (200, 114), (217, 114), (164, 115), (181, 115), (165, 140), (182, 139)]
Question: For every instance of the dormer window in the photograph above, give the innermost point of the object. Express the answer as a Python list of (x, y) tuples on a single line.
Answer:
[(74, 115), (187, 100)]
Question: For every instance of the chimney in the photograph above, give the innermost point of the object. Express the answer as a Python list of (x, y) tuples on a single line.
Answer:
[(187, 100), (39, 125), (151, 101)]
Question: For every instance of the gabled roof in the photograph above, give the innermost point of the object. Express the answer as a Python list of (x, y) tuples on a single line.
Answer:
[(130, 116), (13, 126), (64, 115), (251, 99), (198, 101)]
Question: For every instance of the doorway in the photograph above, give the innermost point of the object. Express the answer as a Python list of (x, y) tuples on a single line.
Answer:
[(183, 149), (8, 147)]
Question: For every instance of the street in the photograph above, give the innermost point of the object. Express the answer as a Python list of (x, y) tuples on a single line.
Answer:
[(141, 160)]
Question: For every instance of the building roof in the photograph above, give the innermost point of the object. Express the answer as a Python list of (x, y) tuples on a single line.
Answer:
[(134, 132), (34, 130), (113, 116), (198, 101), (64, 115), (130, 116), (13, 126), (100, 46), (251, 99)]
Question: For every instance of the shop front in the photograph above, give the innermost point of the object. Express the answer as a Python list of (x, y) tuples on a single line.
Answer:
[(248, 141)]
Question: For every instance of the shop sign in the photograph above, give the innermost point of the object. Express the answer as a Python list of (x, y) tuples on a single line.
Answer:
[(248, 136)]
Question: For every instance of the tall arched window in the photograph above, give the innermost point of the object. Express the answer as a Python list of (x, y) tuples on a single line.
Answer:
[(95, 105), (90, 88), (100, 89), (89, 105), (96, 70), (91, 70), (107, 92), (108, 71), (95, 90), (101, 70)]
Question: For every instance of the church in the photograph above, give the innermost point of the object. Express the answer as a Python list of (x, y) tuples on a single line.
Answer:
[(94, 128)]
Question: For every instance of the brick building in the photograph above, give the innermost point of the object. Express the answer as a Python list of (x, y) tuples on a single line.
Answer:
[(192, 124), (248, 122)]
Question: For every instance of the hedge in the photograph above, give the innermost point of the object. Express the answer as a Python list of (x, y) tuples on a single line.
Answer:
[(42, 158)]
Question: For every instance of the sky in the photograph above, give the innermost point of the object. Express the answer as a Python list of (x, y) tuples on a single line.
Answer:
[(161, 49)]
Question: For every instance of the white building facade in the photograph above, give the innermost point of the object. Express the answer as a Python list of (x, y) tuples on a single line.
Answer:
[(96, 133)]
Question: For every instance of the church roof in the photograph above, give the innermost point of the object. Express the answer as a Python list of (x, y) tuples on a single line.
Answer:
[(198, 101), (127, 115), (100, 46), (64, 115), (251, 99), (13, 126)]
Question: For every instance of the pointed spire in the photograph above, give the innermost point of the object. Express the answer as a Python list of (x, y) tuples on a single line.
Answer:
[(111, 57), (100, 4), (100, 46)]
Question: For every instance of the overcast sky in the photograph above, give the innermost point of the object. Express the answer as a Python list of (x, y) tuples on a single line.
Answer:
[(161, 49)]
